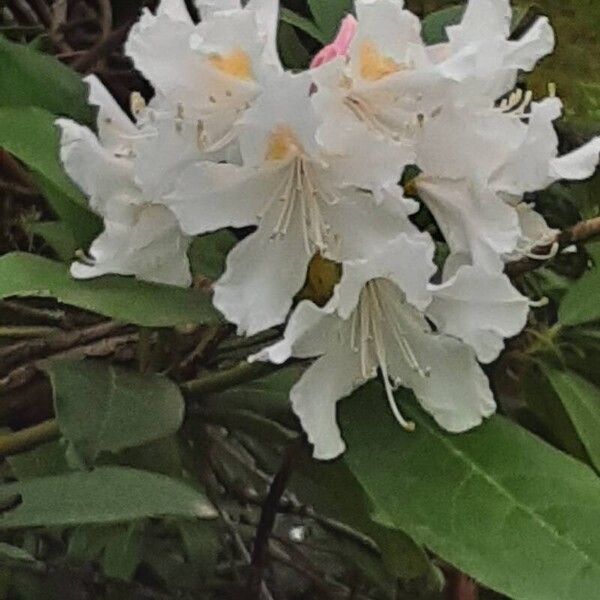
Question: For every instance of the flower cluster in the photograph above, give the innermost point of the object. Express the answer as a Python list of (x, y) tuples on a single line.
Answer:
[(313, 161)]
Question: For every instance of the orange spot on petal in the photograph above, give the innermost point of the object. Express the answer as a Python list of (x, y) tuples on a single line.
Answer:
[(236, 64), (373, 65)]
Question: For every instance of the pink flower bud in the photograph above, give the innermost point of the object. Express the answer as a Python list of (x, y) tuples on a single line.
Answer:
[(339, 46)]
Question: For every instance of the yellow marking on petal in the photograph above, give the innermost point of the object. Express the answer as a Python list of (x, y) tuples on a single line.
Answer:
[(282, 144), (373, 65), (236, 64)]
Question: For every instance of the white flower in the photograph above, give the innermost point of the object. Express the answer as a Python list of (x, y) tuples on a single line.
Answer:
[(141, 236), (478, 163), (376, 93), (480, 307), (479, 56), (376, 321), (303, 200), (206, 75)]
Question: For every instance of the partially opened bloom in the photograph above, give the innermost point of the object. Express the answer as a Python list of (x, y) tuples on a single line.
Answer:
[(481, 58), (478, 164), (340, 45), (141, 236), (206, 75), (374, 322), (376, 88), (304, 201)]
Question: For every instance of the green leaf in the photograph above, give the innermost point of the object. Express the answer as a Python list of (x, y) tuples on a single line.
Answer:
[(434, 24), (58, 236), (105, 495), (14, 553), (303, 24), (29, 78), (123, 552), (102, 408), (293, 54), (30, 134), (121, 298), (581, 305), (328, 15), (499, 504), (581, 400), (208, 253), (47, 459)]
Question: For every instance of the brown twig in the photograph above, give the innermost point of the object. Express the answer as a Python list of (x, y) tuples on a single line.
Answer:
[(102, 49), (582, 232), (26, 439), (260, 551)]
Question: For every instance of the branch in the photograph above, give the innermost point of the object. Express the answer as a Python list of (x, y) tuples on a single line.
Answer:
[(29, 438), (260, 552), (582, 232)]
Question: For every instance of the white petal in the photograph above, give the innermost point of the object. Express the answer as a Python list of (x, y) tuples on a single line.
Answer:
[(527, 169), (174, 9), (314, 399), (149, 246), (262, 277), (577, 165), (284, 103), (407, 261), (113, 123), (267, 16), (456, 392), (481, 308), (309, 333), (379, 223), (160, 49), (207, 8), (482, 19), (537, 42), (210, 196), (474, 221), (99, 174)]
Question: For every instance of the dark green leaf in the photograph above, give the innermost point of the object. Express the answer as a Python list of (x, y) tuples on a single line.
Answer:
[(293, 54), (29, 78), (31, 135), (581, 400), (123, 552), (581, 305), (102, 408), (434, 25), (47, 459), (121, 298), (58, 236), (304, 24), (208, 253), (328, 15), (499, 504), (105, 495)]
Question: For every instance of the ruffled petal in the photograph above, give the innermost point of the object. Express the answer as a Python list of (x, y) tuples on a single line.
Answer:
[(174, 9), (211, 196), (407, 261), (309, 333), (314, 399), (263, 275), (100, 174), (149, 245), (115, 128), (474, 221), (481, 308), (207, 8), (577, 165), (456, 391)]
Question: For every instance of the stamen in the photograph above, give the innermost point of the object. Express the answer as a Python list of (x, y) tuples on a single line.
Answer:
[(366, 114)]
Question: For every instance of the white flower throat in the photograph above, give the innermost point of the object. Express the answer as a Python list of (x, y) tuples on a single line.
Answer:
[(379, 318), (301, 192)]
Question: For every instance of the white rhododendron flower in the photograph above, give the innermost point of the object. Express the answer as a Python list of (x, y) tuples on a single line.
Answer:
[(141, 236), (303, 200), (206, 75), (311, 163), (376, 322), (480, 58), (478, 164)]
